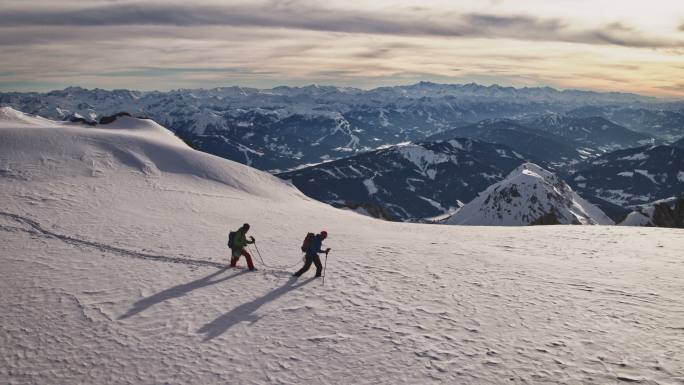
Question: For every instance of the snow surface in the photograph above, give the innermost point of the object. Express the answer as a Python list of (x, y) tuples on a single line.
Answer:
[(112, 253), (526, 194)]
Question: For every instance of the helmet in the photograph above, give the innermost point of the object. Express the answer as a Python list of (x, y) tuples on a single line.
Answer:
[(324, 234), (246, 226)]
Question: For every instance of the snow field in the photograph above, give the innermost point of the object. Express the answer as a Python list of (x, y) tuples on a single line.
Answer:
[(111, 253)]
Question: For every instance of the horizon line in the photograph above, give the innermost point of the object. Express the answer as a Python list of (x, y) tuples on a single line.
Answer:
[(329, 85)]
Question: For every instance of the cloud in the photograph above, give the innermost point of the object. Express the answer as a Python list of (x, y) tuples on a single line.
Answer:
[(260, 43), (676, 87), (306, 16), (175, 71)]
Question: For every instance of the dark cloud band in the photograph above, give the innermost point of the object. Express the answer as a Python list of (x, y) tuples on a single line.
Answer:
[(290, 15)]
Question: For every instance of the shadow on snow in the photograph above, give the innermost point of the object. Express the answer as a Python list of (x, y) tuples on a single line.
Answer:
[(245, 312), (177, 291)]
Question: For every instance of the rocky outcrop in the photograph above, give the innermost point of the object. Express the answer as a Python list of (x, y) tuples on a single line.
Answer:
[(669, 213), (371, 209), (112, 118)]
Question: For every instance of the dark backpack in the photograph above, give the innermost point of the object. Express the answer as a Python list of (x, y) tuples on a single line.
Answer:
[(307, 242), (231, 239)]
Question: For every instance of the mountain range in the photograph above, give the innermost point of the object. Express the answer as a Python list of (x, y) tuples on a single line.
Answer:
[(410, 181), (286, 127), (545, 146), (664, 122), (633, 176), (410, 152)]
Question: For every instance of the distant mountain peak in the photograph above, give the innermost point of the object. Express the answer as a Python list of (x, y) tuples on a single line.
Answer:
[(529, 195)]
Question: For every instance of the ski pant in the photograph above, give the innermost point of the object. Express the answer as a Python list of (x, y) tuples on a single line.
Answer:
[(236, 256), (311, 258)]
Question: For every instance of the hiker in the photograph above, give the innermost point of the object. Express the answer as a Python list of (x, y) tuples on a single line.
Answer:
[(238, 246), (314, 247)]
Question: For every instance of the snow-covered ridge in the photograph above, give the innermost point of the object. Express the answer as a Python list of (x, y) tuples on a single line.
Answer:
[(11, 117), (529, 195), (140, 145)]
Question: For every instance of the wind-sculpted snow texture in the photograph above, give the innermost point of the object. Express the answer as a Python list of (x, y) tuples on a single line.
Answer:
[(110, 240), (284, 127), (409, 181), (529, 195), (633, 176)]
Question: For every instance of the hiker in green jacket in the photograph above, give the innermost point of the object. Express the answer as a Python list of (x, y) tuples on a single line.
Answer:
[(239, 243)]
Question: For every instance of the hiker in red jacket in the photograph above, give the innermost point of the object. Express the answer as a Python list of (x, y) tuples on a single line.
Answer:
[(238, 249)]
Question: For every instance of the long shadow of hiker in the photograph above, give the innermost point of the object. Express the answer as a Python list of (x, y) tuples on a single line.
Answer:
[(176, 292), (245, 312)]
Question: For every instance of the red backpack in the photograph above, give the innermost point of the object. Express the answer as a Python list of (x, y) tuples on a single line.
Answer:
[(307, 242)]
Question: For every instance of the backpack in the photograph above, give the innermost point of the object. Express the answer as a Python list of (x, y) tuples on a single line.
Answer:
[(307, 242), (231, 239)]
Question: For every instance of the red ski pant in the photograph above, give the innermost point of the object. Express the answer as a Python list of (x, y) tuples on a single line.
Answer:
[(236, 256)]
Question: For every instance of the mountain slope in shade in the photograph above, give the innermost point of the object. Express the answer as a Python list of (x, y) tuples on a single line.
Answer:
[(545, 146), (594, 133), (409, 181), (659, 122), (633, 176), (679, 143), (529, 195)]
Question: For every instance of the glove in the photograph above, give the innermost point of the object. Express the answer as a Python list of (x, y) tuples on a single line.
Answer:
[(327, 250), (252, 238)]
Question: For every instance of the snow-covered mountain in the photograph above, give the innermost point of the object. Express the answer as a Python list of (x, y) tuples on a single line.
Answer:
[(541, 95), (269, 129), (545, 146), (409, 181), (633, 176), (285, 127), (592, 134), (112, 255), (664, 213), (529, 195)]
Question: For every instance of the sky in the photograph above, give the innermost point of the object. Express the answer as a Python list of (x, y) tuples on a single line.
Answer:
[(604, 45)]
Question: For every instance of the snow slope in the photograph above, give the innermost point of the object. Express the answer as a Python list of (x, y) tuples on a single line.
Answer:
[(112, 248), (529, 195)]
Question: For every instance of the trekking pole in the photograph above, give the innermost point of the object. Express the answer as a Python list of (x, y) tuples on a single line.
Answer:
[(258, 252), (324, 266)]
